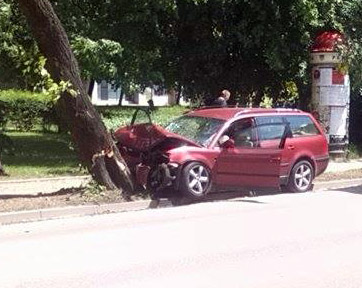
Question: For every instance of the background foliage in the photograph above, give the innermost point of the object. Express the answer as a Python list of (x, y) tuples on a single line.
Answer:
[(252, 47), (30, 154), (258, 49), (23, 110)]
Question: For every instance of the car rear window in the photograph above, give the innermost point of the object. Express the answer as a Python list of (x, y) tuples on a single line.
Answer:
[(269, 120), (302, 126)]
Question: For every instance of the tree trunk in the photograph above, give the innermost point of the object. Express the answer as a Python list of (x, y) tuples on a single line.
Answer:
[(305, 95), (2, 171), (121, 96), (90, 88), (179, 94), (258, 97), (97, 150)]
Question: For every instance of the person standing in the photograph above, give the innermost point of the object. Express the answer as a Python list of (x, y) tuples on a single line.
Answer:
[(221, 101)]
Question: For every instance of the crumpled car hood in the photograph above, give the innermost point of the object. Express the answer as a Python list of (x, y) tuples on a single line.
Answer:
[(143, 137)]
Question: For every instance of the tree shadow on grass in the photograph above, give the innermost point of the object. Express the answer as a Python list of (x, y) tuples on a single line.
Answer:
[(46, 153)]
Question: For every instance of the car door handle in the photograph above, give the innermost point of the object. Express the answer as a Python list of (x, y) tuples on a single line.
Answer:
[(275, 159), (290, 147)]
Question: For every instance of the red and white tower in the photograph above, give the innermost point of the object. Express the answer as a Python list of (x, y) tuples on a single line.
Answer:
[(331, 90)]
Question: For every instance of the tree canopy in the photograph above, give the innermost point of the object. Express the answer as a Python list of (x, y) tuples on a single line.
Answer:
[(250, 47)]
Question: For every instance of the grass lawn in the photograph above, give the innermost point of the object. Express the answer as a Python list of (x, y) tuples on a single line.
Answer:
[(115, 117), (40, 155), (50, 154)]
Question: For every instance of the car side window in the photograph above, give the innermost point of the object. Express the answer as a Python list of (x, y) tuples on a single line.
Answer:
[(270, 127), (243, 133), (301, 125)]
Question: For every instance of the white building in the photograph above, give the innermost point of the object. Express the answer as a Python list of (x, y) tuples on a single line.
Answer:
[(107, 94)]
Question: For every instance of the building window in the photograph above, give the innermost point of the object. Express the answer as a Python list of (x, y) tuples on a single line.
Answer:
[(159, 90), (104, 90)]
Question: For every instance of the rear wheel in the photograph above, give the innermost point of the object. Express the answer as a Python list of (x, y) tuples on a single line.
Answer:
[(301, 177), (195, 180)]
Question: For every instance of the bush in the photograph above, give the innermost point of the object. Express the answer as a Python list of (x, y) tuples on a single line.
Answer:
[(23, 109)]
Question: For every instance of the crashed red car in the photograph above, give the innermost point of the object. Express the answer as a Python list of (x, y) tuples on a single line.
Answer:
[(214, 149)]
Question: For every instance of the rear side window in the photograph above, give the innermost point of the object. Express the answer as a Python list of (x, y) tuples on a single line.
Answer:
[(269, 120), (301, 126)]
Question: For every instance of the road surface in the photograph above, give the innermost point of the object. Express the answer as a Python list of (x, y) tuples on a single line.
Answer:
[(287, 240)]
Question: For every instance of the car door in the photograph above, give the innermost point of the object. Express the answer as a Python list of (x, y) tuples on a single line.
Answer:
[(306, 140), (246, 163)]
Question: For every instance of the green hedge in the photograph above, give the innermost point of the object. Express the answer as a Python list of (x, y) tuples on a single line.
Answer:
[(23, 110)]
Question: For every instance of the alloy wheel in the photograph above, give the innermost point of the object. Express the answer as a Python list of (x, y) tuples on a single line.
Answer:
[(198, 179), (303, 177)]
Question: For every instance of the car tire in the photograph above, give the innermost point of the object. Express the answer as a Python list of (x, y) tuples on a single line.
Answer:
[(195, 180), (301, 177)]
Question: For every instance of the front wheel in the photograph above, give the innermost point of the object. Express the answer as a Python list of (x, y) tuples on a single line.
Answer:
[(301, 177), (195, 180)]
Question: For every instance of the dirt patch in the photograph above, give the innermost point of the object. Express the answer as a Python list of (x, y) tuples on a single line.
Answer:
[(349, 174), (64, 197)]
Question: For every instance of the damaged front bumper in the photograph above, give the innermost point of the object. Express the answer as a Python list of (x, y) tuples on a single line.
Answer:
[(158, 177)]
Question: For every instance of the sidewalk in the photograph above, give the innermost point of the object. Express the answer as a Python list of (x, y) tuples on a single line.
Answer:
[(334, 167), (50, 185), (37, 186)]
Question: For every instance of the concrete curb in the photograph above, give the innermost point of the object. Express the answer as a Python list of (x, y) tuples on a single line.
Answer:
[(78, 211), (89, 210)]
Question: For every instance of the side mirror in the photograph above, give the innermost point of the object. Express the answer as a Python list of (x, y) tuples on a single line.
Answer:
[(225, 142)]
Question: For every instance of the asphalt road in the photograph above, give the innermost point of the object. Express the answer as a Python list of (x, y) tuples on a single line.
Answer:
[(288, 240)]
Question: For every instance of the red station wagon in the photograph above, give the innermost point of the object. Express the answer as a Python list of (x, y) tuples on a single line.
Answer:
[(216, 149)]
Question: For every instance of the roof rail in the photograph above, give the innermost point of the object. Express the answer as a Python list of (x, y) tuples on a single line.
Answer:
[(216, 107), (267, 110)]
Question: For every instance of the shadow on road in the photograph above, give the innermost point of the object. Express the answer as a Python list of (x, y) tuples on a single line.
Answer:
[(351, 189), (233, 196), (248, 201)]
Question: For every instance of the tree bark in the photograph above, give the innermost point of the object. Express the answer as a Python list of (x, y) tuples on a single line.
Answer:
[(305, 95), (97, 150), (179, 94), (2, 171), (121, 96), (90, 88)]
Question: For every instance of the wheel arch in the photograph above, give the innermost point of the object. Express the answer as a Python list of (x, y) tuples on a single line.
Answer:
[(303, 158)]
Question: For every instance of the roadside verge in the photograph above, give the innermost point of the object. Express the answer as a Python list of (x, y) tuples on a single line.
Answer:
[(89, 210), (78, 211)]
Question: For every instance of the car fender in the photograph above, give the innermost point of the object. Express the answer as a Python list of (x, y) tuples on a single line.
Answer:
[(305, 155), (184, 155)]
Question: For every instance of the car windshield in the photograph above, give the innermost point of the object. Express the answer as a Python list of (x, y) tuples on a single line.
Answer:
[(198, 129)]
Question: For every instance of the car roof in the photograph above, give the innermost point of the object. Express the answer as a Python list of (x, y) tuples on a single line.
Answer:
[(231, 112)]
